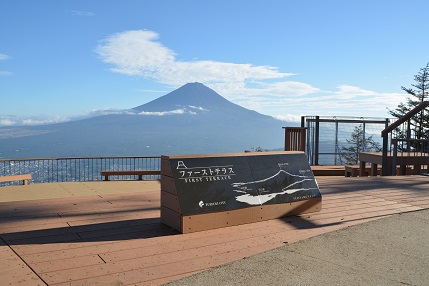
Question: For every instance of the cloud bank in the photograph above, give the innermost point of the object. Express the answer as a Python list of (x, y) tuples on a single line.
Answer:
[(139, 53), (12, 120)]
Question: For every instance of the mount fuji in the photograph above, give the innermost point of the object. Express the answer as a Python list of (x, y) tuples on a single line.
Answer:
[(191, 119)]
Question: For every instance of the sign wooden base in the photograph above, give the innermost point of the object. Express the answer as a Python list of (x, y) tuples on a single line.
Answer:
[(202, 192), (193, 223)]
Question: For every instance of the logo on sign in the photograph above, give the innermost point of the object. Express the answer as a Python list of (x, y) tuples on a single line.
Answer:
[(201, 204)]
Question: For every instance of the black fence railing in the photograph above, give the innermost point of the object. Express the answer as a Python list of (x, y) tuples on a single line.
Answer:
[(329, 139), (48, 170)]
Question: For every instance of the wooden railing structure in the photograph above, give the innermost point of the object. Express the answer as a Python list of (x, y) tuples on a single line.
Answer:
[(295, 138), (406, 145), (48, 170)]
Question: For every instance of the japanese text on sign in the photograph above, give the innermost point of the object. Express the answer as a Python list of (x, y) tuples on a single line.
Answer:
[(200, 174)]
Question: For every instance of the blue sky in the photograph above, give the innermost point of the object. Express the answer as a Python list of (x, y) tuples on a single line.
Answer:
[(61, 60)]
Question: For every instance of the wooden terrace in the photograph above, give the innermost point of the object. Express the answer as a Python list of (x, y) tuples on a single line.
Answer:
[(109, 233)]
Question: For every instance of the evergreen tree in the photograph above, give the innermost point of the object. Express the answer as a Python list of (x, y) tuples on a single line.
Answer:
[(357, 144), (418, 93)]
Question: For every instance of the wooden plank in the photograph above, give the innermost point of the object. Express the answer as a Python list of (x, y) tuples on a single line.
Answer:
[(166, 167), (14, 271), (79, 206), (67, 263), (160, 244), (170, 201), (143, 263), (171, 218), (328, 170), (168, 185), (27, 226), (149, 274), (118, 246)]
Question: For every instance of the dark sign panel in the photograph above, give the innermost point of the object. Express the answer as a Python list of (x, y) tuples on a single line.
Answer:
[(215, 184)]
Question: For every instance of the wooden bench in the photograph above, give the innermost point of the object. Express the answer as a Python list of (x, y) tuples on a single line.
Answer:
[(353, 170), (139, 173), (24, 178)]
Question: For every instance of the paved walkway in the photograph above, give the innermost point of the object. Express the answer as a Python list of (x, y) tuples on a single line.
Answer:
[(390, 251)]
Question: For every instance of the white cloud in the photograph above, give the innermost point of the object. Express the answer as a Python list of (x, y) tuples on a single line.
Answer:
[(342, 101), (4, 57), (198, 108), (132, 112), (347, 91), (288, 118), (171, 112), (349, 101), (352, 97), (211, 72), (292, 88), (81, 13), (138, 53), (5, 73), (12, 120), (7, 122), (97, 112)]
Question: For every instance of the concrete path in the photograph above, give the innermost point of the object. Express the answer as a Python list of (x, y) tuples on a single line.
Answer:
[(390, 251)]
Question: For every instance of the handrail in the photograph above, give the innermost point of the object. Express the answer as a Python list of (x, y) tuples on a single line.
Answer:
[(396, 140), (71, 169), (391, 127), (76, 158), (406, 117)]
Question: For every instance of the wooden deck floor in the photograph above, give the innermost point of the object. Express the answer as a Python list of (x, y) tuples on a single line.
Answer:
[(109, 233)]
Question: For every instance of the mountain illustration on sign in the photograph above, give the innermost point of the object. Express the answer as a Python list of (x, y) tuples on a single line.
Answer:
[(269, 188), (181, 165)]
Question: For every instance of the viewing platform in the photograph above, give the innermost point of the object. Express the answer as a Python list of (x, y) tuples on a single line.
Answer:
[(110, 232)]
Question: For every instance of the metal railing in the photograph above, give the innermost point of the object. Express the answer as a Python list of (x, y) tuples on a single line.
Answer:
[(326, 136), (48, 170)]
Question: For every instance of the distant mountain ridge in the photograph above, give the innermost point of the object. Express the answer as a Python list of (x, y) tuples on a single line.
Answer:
[(190, 119), (196, 98), (191, 94)]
